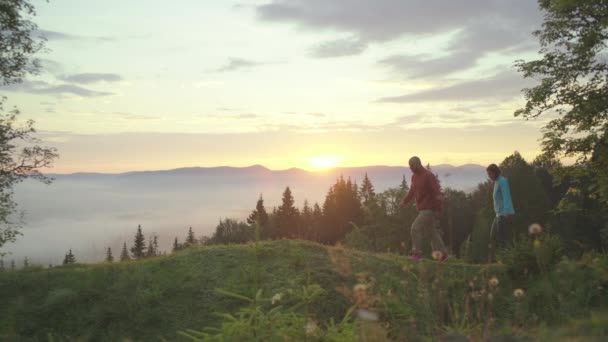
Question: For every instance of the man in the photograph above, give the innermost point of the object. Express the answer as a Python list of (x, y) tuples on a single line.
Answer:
[(503, 207), (425, 190)]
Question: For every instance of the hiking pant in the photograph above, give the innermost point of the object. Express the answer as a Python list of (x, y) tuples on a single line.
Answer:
[(500, 232), (500, 235), (426, 222)]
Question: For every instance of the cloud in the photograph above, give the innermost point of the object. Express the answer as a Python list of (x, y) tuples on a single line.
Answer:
[(482, 26), (87, 78), (41, 87), (238, 63), (504, 85), (54, 35), (338, 48)]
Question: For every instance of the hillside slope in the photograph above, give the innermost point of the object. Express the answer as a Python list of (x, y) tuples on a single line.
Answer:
[(153, 298)]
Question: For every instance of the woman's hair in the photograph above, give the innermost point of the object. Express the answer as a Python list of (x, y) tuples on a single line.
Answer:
[(494, 169)]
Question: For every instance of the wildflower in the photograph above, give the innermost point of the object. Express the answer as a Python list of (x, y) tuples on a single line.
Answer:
[(493, 282), (367, 315), (471, 285), (276, 298), (535, 229), (310, 327), (518, 293), (536, 243), (437, 255)]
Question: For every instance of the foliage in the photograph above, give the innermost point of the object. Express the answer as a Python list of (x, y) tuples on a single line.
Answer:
[(21, 157), (573, 89), (531, 255), (18, 41), (231, 231)]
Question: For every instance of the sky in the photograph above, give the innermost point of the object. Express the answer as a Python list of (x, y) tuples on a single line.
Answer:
[(150, 85)]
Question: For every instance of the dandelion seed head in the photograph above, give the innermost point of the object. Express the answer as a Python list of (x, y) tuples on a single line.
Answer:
[(276, 298), (493, 281), (367, 315), (535, 229), (518, 293)]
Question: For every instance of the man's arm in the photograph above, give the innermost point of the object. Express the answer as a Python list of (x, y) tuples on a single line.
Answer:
[(410, 194)]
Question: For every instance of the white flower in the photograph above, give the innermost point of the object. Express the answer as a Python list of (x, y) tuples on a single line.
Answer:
[(310, 327), (437, 255), (535, 229), (276, 298), (493, 282), (518, 293), (367, 315)]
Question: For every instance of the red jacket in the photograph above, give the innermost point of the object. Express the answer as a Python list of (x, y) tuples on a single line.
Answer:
[(425, 189)]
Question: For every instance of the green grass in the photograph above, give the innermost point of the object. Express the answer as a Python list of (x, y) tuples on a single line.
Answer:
[(152, 299)]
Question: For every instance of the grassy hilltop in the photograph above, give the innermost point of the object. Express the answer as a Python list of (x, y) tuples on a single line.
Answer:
[(153, 299)]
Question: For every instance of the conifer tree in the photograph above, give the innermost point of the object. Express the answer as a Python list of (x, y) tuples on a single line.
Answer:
[(139, 245), (150, 252), (69, 258), (155, 245), (306, 222), (124, 255), (190, 238), (367, 191), (1, 265), (109, 257), (287, 216), (176, 245), (404, 187), (259, 215), (26, 262), (12, 264)]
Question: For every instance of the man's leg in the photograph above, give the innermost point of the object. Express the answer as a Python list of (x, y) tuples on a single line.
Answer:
[(423, 220), (436, 240)]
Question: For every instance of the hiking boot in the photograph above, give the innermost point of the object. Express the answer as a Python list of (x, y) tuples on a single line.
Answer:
[(415, 257)]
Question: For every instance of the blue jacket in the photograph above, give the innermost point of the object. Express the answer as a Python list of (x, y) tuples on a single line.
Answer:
[(503, 205)]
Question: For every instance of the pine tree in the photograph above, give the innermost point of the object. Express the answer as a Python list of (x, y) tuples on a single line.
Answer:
[(124, 255), (139, 245), (404, 187), (26, 263), (150, 252), (287, 216), (2, 265), (12, 265), (259, 215), (155, 245), (367, 191), (69, 258), (306, 221), (342, 208), (176, 245), (109, 257), (190, 239)]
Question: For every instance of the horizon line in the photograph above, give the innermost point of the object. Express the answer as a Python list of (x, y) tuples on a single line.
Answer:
[(253, 166)]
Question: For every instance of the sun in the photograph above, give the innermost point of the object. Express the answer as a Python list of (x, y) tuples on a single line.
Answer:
[(324, 162)]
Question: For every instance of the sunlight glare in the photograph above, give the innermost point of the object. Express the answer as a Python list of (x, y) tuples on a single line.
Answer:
[(324, 162)]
